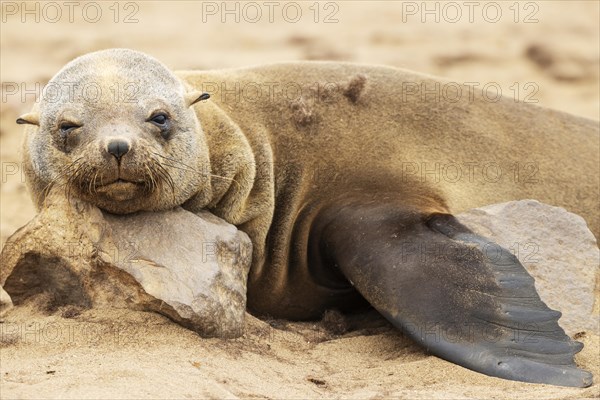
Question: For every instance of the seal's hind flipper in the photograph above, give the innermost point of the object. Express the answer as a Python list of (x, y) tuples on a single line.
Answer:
[(461, 296)]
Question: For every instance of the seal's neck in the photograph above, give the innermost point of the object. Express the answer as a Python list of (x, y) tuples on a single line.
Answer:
[(240, 168)]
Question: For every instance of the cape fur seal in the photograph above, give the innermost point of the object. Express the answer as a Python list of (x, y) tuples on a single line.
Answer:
[(340, 186)]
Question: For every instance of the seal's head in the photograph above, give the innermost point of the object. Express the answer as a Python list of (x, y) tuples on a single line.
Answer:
[(115, 128)]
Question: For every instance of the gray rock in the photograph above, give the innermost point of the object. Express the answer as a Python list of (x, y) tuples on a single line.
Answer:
[(5, 302), (195, 263), (191, 268), (557, 249)]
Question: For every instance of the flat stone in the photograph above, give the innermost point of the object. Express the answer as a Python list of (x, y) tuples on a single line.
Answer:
[(190, 267), (557, 249), (5, 302)]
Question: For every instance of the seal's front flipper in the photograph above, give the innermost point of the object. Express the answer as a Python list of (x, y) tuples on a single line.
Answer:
[(462, 297)]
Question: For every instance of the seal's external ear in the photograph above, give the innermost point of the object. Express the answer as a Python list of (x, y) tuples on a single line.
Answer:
[(192, 98), (29, 118)]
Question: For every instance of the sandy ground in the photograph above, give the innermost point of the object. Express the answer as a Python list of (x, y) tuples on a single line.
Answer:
[(120, 354), (549, 51)]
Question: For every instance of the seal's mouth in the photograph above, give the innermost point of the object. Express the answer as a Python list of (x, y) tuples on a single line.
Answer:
[(120, 182), (113, 184), (121, 189), (123, 182)]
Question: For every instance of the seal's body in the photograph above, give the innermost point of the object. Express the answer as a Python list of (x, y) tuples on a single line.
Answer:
[(341, 130), (344, 176)]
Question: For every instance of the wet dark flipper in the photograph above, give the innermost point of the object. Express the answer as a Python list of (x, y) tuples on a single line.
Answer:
[(462, 297)]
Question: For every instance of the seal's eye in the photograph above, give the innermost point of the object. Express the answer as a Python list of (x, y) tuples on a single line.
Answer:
[(67, 127), (161, 120)]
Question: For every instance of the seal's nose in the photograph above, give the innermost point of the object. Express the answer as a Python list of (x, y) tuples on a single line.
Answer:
[(118, 148)]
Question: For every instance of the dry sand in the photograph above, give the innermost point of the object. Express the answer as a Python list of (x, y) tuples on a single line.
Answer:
[(122, 354), (118, 354)]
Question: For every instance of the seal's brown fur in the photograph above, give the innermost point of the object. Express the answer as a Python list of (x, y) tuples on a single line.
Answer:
[(359, 135), (277, 157)]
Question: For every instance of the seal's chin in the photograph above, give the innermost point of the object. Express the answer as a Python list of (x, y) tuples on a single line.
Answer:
[(121, 190)]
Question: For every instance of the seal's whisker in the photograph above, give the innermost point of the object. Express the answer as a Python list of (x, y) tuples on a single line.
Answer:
[(94, 187), (178, 167), (160, 166), (151, 175), (166, 177), (65, 171), (187, 167), (73, 179), (225, 179), (89, 181), (176, 161), (61, 173)]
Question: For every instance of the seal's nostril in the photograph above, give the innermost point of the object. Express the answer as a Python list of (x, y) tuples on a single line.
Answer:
[(117, 148)]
